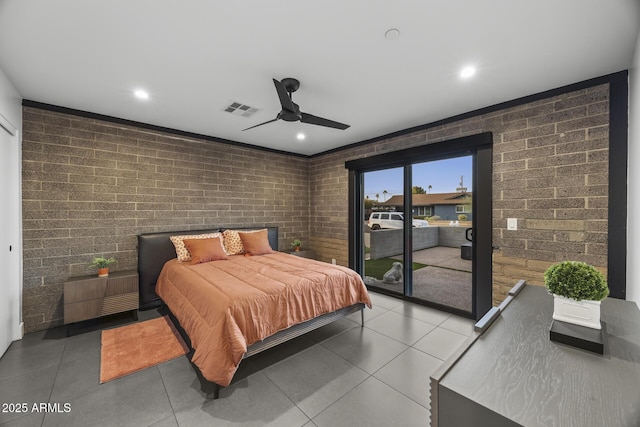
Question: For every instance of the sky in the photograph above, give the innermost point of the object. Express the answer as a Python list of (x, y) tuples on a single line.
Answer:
[(442, 175)]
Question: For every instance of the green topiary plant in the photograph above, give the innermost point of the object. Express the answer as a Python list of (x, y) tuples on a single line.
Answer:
[(576, 280)]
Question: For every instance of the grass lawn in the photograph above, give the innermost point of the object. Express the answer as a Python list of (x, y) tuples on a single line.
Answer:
[(377, 267)]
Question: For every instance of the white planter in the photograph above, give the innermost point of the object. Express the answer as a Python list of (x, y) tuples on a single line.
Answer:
[(584, 313)]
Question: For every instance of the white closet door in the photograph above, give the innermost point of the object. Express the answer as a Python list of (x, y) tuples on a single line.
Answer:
[(8, 299)]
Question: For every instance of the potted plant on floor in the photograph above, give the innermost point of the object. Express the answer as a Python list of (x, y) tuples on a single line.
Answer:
[(296, 245), (102, 264), (577, 289)]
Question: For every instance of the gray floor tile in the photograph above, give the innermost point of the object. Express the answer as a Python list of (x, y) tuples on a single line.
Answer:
[(32, 387), (82, 346), (135, 400), (274, 355), (365, 348), (182, 384), (369, 313), (106, 322), (315, 378), (384, 301), (405, 329), (324, 374), (23, 359), (170, 421), (373, 403), (30, 420), (76, 377), (335, 328), (426, 314), (255, 401), (459, 324), (441, 343), (409, 374), (148, 314), (39, 337)]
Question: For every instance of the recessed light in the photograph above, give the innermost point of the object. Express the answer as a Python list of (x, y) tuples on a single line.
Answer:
[(301, 136), (392, 34), (467, 72), (141, 94)]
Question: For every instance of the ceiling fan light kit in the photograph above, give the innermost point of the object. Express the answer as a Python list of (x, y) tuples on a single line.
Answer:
[(291, 111)]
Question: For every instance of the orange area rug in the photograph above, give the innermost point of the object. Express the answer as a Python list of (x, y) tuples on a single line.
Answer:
[(138, 346)]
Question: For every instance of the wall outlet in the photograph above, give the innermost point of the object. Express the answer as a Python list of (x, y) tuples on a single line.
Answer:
[(333, 261), (512, 223)]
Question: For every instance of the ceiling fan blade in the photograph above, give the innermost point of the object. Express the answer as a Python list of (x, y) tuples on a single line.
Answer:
[(285, 101), (315, 120), (270, 121)]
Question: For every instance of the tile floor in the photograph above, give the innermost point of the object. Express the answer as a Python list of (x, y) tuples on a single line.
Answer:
[(338, 375)]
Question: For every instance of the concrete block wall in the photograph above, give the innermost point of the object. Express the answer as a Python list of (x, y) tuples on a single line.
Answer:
[(90, 187), (386, 243), (550, 170), (452, 237)]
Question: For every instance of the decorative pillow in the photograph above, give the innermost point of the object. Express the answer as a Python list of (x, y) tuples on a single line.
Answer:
[(181, 251), (232, 242), (256, 242), (205, 250)]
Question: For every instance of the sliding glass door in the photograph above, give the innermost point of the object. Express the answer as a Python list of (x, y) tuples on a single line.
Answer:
[(441, 206), (421, 224), (383, 232), (439, 261)]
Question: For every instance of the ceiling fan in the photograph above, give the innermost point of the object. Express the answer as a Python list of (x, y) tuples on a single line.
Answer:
[(291, 111)]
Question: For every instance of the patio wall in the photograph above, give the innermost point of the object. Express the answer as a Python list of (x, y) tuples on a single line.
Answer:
[(452, 237), (385, 243)]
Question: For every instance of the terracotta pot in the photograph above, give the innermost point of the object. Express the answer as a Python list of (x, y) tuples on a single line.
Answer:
[(103, 272), (297, 248)]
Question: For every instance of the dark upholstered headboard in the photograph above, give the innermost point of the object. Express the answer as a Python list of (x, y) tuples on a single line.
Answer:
[(155, 249)]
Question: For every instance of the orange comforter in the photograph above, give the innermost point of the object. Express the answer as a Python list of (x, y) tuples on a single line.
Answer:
[(228, 305)]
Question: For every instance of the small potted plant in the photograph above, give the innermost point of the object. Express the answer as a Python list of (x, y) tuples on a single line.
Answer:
[(102, 264), (577, 289), (296, 245)]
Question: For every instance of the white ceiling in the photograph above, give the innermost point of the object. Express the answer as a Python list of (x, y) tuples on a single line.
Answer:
[(196, 56)]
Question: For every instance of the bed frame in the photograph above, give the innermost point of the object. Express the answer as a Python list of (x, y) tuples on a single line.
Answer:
[(155, 249)]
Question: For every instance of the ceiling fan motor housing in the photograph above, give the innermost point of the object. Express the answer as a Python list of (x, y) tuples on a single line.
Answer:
[(291, 116), (290, 84)]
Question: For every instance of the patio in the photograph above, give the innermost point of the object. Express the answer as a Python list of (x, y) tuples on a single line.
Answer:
[(445, 280)]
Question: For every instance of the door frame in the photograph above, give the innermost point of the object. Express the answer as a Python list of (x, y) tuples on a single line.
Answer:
[(478, 145), (13, 243)]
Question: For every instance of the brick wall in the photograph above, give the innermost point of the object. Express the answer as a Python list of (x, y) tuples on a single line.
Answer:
[(550, 170), (90, 187)]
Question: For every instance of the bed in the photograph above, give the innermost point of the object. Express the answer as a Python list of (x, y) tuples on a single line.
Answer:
[(234, 307)]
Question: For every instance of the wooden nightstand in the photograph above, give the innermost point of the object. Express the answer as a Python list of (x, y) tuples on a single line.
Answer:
[(90, 297), (306, 253)]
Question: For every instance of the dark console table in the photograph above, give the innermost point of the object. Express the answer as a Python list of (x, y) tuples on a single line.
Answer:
[(513, 374)]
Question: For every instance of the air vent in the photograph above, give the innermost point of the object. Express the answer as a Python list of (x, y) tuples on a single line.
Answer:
[(239, 109)]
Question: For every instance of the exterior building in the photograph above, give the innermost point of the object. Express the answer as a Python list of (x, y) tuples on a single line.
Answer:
[(445, 205)]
